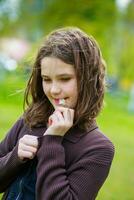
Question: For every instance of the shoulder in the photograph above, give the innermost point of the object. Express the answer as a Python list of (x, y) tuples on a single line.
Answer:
[(18, 125), (99, 145), (11, 137), (98, 139), (16, 128), (93, 138), (92, 145)]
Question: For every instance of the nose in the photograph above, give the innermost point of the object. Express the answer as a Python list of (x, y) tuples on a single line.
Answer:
[(55, 89)]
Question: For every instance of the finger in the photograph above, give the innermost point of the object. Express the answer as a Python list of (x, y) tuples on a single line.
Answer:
[(71, 114), (68, 113), (25, 154), (24, 147), (53, 119), (59, 116), (50, 121), (67, 116), (30, 140), (61, 109)]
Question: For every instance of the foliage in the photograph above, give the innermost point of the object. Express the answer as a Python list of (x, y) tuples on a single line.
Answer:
[(114, 121), (112, 28)]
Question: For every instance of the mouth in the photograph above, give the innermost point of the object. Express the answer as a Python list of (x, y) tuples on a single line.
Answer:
[(60, 101)]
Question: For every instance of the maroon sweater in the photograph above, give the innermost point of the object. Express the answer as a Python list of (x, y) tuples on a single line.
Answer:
[(72, 167)]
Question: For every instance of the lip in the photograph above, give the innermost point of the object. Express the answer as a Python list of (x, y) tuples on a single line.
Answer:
[(58, 100)]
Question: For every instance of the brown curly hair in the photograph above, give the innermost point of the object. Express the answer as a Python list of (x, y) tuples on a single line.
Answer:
[(75, 47)]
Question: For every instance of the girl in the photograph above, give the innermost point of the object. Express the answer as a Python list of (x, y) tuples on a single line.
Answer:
[(56, 151)]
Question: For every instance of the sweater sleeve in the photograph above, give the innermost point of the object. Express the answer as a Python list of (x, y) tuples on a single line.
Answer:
[(9, 161), (82, 180)]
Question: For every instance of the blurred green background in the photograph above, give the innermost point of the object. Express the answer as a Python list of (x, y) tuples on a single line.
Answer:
[(23, 25)]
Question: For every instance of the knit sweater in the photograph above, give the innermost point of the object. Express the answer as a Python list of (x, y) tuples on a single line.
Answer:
[(72, 167)]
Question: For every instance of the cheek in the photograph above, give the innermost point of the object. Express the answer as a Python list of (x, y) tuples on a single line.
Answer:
[(75, 92), (45, 88), (72, 88)]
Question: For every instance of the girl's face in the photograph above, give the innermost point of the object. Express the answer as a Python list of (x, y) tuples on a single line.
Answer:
[(59, 82)]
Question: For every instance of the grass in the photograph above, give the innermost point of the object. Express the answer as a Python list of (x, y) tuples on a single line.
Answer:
[(117, 123), (114, 121)]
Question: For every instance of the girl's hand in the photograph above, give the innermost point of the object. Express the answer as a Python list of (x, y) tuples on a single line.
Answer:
[(27, 147), (60, 121)]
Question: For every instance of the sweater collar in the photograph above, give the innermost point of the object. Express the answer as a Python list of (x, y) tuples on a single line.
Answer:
[(75, 133)]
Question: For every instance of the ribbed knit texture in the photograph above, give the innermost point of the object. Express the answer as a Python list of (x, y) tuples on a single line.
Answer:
[(73, 167)]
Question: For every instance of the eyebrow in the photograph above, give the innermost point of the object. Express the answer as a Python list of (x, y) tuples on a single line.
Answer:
[(59, 75)]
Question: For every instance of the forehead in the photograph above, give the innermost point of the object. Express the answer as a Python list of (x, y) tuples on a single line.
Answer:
[(50, 65)]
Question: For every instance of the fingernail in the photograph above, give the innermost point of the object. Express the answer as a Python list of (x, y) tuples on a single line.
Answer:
[(50, 121)]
